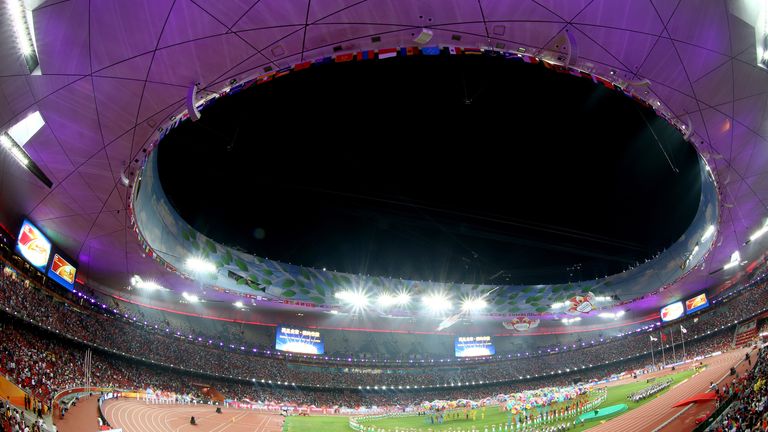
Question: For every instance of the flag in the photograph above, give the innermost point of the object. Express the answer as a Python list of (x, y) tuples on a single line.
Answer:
[(530, 59), (366, 55), (653, 339), (454, 50), (409, 51), (303, 65), (283, 71), (663, 337), (473, 51), (341, 58), (433, 50), (236, 88), (682, 329), (265, 78), (387, 53)]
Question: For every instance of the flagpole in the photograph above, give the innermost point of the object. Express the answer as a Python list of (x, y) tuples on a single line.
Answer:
[(663, 356), (682, 337), (672, 336), (652, 359)]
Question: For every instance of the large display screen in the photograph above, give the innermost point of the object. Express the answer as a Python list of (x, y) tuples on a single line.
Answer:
[(62, 271), (33, 245), (696, 303), (473, 346), (299, 340), (672, 311)]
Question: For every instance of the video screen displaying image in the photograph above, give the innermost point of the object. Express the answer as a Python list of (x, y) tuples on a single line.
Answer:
[(672, 312), (696, 303), (474, 346), (63, 272), (299, 340), (33, 245)]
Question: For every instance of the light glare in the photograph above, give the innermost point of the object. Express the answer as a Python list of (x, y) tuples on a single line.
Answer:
[(437, 302), (200, 265), (190, 297), (19, 22), (26, 128), (735, 258), (473, 305), (757, 234), (708, 233)]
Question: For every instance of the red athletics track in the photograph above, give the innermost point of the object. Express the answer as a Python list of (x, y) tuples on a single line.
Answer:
[(135, 416), (651, 415)]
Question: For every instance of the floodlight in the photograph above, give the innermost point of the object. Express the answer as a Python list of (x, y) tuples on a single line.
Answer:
[(437, 302), (386, 300), (403, 298), (199, 265), (190, 297), (150, 286), (473, 304), (238, 304), (735, 258), (708, 233), (138, 282), (759, 232), (27, 127), (357, 299), (14, 149)]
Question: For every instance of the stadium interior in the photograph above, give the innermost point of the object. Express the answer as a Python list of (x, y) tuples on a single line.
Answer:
[(383, 215)]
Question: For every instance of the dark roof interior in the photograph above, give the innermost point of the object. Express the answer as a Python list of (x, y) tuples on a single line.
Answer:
[(460, 168)]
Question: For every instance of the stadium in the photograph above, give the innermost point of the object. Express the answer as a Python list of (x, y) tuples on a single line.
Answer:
[(383, 215)]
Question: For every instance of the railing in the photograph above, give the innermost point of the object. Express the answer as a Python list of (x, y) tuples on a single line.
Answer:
[(716, 415)]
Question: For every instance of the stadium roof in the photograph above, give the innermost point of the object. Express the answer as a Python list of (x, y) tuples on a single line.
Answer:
[(113, 72)]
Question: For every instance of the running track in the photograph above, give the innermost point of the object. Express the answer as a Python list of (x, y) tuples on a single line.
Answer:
[(135, 416), (656, 412)]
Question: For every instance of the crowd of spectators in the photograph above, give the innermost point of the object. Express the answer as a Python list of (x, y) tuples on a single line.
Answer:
[(45, 363), (749, 410), (36, 353), (105, 329), (366, 348), (13, 420)]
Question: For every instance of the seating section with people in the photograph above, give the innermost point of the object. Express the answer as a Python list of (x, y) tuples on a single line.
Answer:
[(749, 409), (45, 335)]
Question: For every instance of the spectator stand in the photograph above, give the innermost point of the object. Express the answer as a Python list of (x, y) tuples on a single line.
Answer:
[(745, 409)]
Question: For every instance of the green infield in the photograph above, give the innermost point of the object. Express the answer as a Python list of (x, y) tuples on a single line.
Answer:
[(316, 424), (616, 395), (603, 412)]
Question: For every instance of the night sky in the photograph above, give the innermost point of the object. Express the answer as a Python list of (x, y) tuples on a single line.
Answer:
[(460, 168)]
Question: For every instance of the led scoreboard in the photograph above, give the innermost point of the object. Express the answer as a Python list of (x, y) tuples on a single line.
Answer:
[(299, 340), (474, 346)]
